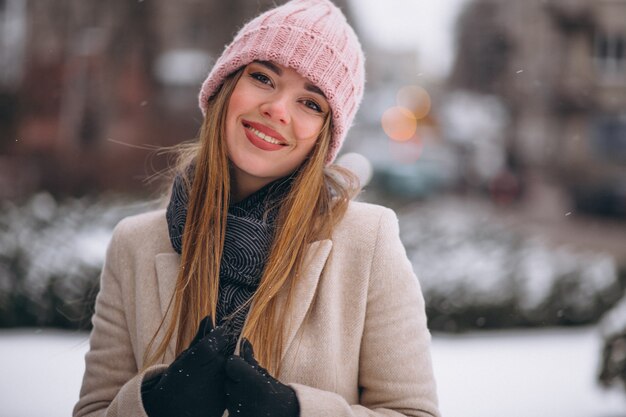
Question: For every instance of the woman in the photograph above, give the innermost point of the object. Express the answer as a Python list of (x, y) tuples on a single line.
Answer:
[(302, 302)]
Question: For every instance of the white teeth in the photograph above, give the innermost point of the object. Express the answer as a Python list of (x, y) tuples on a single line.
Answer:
[(263, 136)]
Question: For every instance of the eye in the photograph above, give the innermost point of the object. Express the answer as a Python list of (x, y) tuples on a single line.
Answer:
[(313, 105), (262, 78)]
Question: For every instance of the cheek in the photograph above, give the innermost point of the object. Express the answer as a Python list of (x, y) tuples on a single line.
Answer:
[(307, 132), (309, 129), (236, 107), (308, 147), (305, 149), (236, 104)]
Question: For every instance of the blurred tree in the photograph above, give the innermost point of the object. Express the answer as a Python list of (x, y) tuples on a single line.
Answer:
[(483, 49)]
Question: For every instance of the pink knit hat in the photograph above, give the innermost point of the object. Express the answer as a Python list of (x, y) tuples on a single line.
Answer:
[(312, 37)]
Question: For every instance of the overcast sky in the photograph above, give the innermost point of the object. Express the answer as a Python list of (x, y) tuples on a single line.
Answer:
[(424, 25)]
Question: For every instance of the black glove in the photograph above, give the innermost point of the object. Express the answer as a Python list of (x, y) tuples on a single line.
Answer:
[(251, 391), (193, 385)]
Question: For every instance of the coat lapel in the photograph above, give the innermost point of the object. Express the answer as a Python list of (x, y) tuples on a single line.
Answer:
[(167, 265), (167, 270), (305, 288)]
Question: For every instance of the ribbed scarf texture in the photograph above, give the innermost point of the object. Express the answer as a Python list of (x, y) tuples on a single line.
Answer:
[(250, 229)]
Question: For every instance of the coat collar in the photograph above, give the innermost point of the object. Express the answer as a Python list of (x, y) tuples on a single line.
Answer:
[(167, 265)]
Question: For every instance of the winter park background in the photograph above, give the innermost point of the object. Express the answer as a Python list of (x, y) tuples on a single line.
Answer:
[(495, 129)]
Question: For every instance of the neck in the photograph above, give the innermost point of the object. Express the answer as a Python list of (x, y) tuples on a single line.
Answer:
[(243, 186)]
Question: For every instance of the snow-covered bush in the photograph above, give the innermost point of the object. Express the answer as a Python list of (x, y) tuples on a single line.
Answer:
[(51, 254), (475, 272), (613, 360)]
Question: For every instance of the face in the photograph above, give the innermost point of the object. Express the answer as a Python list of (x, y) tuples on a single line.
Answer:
[(273, 120)]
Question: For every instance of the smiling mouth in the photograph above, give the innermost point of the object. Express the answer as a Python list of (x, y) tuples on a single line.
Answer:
[(263, 136)]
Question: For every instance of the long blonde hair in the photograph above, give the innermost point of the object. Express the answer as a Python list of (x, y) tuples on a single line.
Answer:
[(317, 200)]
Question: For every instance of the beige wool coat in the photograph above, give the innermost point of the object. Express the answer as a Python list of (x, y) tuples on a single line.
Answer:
[(356, 338)]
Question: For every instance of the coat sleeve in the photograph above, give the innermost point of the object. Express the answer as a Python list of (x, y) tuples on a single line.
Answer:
[(395, 367), (111, 385)]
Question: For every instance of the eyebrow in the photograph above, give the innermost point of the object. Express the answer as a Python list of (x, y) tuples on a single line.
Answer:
[(307, 86)]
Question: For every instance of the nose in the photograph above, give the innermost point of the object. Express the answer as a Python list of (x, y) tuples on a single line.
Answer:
[(276, 108)]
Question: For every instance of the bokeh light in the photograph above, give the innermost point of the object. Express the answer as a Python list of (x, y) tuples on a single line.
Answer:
[(359, 165), (414, 98), (399, 123)]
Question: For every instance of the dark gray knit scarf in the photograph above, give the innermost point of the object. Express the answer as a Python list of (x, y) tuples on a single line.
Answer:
[(250, 228)]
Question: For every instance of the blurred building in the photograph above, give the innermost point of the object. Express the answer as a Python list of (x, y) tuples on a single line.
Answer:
[(559, 66), (86, 87)]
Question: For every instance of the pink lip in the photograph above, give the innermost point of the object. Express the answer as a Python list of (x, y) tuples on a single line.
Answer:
[(260, 143), (267, 130)]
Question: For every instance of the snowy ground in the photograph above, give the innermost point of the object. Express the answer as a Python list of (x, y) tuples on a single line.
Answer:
[(537, 373), (534, 373)]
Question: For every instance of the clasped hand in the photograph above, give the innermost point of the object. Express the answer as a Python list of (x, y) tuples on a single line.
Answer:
[(206, 379)]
